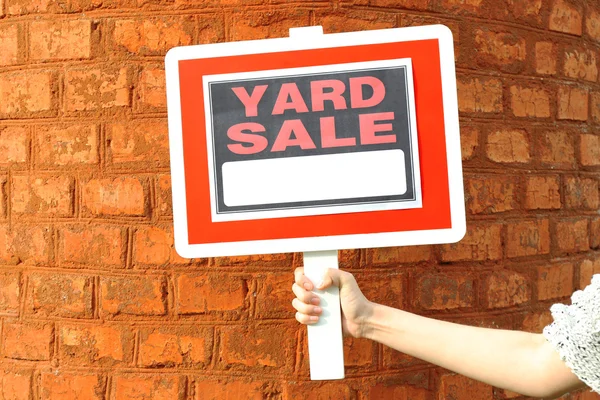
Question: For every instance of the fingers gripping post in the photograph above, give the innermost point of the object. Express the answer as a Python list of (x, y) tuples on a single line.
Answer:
[(325, 341)]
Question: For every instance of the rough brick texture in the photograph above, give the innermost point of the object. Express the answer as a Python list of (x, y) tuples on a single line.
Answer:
[(95, 303)]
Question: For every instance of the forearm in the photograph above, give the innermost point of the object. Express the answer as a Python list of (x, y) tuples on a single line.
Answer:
[(507, 359)]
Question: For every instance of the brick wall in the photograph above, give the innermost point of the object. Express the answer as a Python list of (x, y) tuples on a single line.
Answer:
[(96, 304)]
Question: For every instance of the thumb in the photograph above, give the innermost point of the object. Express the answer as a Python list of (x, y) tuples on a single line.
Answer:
[(334, 277)]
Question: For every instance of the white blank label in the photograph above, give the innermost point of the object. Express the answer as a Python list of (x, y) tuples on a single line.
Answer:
[(314, 178)]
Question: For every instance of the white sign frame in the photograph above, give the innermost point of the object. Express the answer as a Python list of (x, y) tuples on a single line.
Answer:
[(323, 243)]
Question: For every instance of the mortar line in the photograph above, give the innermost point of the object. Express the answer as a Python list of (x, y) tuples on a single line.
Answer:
[(54, 357), (97, 297), (129, 249), (109, 381), (135, 362), (9, 180)]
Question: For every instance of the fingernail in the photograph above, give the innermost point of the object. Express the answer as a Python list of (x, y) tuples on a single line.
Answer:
[(314, 318), (307, 286), (315, 300), (317, 310), (320, 283)]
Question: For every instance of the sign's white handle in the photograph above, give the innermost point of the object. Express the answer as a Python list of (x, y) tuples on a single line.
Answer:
[(325, 340)]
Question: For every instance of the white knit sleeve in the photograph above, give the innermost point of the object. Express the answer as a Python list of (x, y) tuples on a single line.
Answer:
[(575, 333)]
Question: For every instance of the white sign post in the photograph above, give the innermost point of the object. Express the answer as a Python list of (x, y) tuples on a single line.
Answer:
[(316, 143), (325, 341)]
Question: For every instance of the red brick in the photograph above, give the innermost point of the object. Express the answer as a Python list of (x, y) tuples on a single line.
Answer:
[(355, 21), (95, 345), (453, 386), (22, 93), (359, 352), (490, 194), (572, 103), (15, 385), (199, 294), (572, 235), (542, 193), (349, 258), (407, 19), (480, 95), (162, 348), (165, 196), (65, 145), (504, 50), (506, 289), (10, 292), (394, 359), (43, 196), (582, 193), (211, 29), (400, 391), (27, 341), (261, 260), (445, 291), (473, 6), (508, 146), (3, 200), (14, 143), (595, 233), (555, 281), (527, 11), (152, 36), (77, 6), (583, 394), (133, 295), (60, 40), (148, 387), (25, 244), (9, 37), (469, 142), (265, 346), (234, 389), (154, 245), (408, 4), (394, 256), (587, 269), (144, 141), (530, 102), (528, 238), (481, 243), (59, 295), (121, 196), (153, 89), (581, 65), (96, 89), (565, 17), (546, 55), (536, 321), (595, 106), (92, 245), (28, 6), (590, 150), (556, 149), (273, 297), (68, 386), (489, 320), (592, 24), (388, 289), (266, 24), (317, 391)]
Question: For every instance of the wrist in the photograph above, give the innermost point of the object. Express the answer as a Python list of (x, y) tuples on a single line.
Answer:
[(367, 321)]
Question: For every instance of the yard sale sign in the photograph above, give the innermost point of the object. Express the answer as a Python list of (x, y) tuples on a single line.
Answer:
[(315, 142)]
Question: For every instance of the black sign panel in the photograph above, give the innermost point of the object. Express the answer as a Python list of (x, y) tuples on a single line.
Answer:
[(311, 114)]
